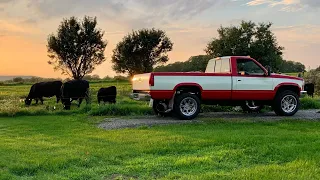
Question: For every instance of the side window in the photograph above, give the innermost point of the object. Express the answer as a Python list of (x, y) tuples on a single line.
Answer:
[(225, 66), (248, 67), (211, 66), (218, 66)]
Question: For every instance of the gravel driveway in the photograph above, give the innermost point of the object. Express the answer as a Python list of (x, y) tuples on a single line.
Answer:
[(117, 123)]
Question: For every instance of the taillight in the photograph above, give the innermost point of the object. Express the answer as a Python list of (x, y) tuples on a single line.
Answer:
[(151, 80)]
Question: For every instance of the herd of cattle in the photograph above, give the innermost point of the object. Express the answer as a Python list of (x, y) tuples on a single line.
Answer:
[(79, 90), (68, 92)]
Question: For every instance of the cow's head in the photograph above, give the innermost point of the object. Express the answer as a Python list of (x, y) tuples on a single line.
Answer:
[(27, 101)]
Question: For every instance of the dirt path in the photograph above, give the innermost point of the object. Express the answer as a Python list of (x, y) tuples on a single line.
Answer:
[(118, 123)]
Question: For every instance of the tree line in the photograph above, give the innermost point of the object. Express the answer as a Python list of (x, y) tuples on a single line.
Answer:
[(78, 47), (199, 63), (21, 80)]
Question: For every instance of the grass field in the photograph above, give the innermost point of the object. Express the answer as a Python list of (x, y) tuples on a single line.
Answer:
[(38, 142), (12, 103), (71, 147)]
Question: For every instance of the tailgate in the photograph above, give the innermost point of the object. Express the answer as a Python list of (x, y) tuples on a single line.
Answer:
[(140, 82)]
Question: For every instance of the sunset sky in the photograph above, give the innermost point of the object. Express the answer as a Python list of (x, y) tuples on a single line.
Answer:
[(25, 25)]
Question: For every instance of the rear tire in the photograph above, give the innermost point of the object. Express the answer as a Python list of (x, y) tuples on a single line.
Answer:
[(187, 106), (286, 103)]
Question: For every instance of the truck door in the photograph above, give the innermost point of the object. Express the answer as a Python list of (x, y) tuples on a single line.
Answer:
[(250, 82)]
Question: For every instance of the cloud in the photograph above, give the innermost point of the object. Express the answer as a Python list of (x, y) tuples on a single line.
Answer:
[(179, 8), (16, 28), (287, 5), (169, 8), (30, 21), (58, 8), (300, 34), (120, 15), (5, 1), (134, 13)]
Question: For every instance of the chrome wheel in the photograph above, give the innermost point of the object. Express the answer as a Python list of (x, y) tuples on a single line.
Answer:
[(289, 103), (188, 106)]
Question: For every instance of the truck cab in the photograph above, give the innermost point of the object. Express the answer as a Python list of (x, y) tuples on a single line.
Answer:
[(231, 80)]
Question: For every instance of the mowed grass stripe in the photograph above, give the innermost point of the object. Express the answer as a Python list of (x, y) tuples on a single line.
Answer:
[(71, 147)]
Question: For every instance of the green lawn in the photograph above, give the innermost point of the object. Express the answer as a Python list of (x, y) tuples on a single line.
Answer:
[(12, 103), (71, 147)]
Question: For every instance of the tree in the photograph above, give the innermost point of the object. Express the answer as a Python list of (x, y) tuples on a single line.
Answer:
[(140, 51), (77, 48), (248, 39), (291, 67), (91, 77), (174, 67), (17, 79), (194, 63)]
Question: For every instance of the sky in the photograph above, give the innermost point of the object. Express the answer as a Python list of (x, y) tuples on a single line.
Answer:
[(190, 24)]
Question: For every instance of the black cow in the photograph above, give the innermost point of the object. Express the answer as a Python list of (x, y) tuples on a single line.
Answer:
[(107, 94), (43, 89), (309, 87), (74, 90)]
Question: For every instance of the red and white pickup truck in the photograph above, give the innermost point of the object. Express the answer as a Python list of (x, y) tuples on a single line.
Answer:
[(231, 81)]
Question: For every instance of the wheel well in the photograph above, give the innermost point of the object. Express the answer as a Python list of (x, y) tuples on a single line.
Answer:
[(289, 87), (189, 89)]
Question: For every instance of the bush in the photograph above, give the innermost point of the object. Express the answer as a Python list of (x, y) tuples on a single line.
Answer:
[(121, 110), (310, 103), (17, 79), (313, 77), (121, 78), (91, 77)]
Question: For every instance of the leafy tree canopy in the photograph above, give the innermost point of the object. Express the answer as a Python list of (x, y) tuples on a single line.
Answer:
[(248, 39), (195, 63), (291, 67), (77, 48), (140, 51)]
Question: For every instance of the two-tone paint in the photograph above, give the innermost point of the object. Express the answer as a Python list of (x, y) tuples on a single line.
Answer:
[(217, 86)]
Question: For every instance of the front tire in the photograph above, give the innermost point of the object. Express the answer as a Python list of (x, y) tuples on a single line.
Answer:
[(286, 103), (187, 106)]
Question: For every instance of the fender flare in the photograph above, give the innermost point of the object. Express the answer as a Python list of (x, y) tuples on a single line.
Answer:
[(286, 84)]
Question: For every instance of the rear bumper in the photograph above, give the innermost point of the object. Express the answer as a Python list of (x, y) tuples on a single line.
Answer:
[(140, 96), (303, 94)]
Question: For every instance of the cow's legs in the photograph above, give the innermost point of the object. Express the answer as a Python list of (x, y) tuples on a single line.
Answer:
[(41, 99), (58, 99), (87, 96), (80, 101), (37, 100)]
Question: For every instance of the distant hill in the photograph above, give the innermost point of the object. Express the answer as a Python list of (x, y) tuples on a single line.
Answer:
[(5, 78)]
